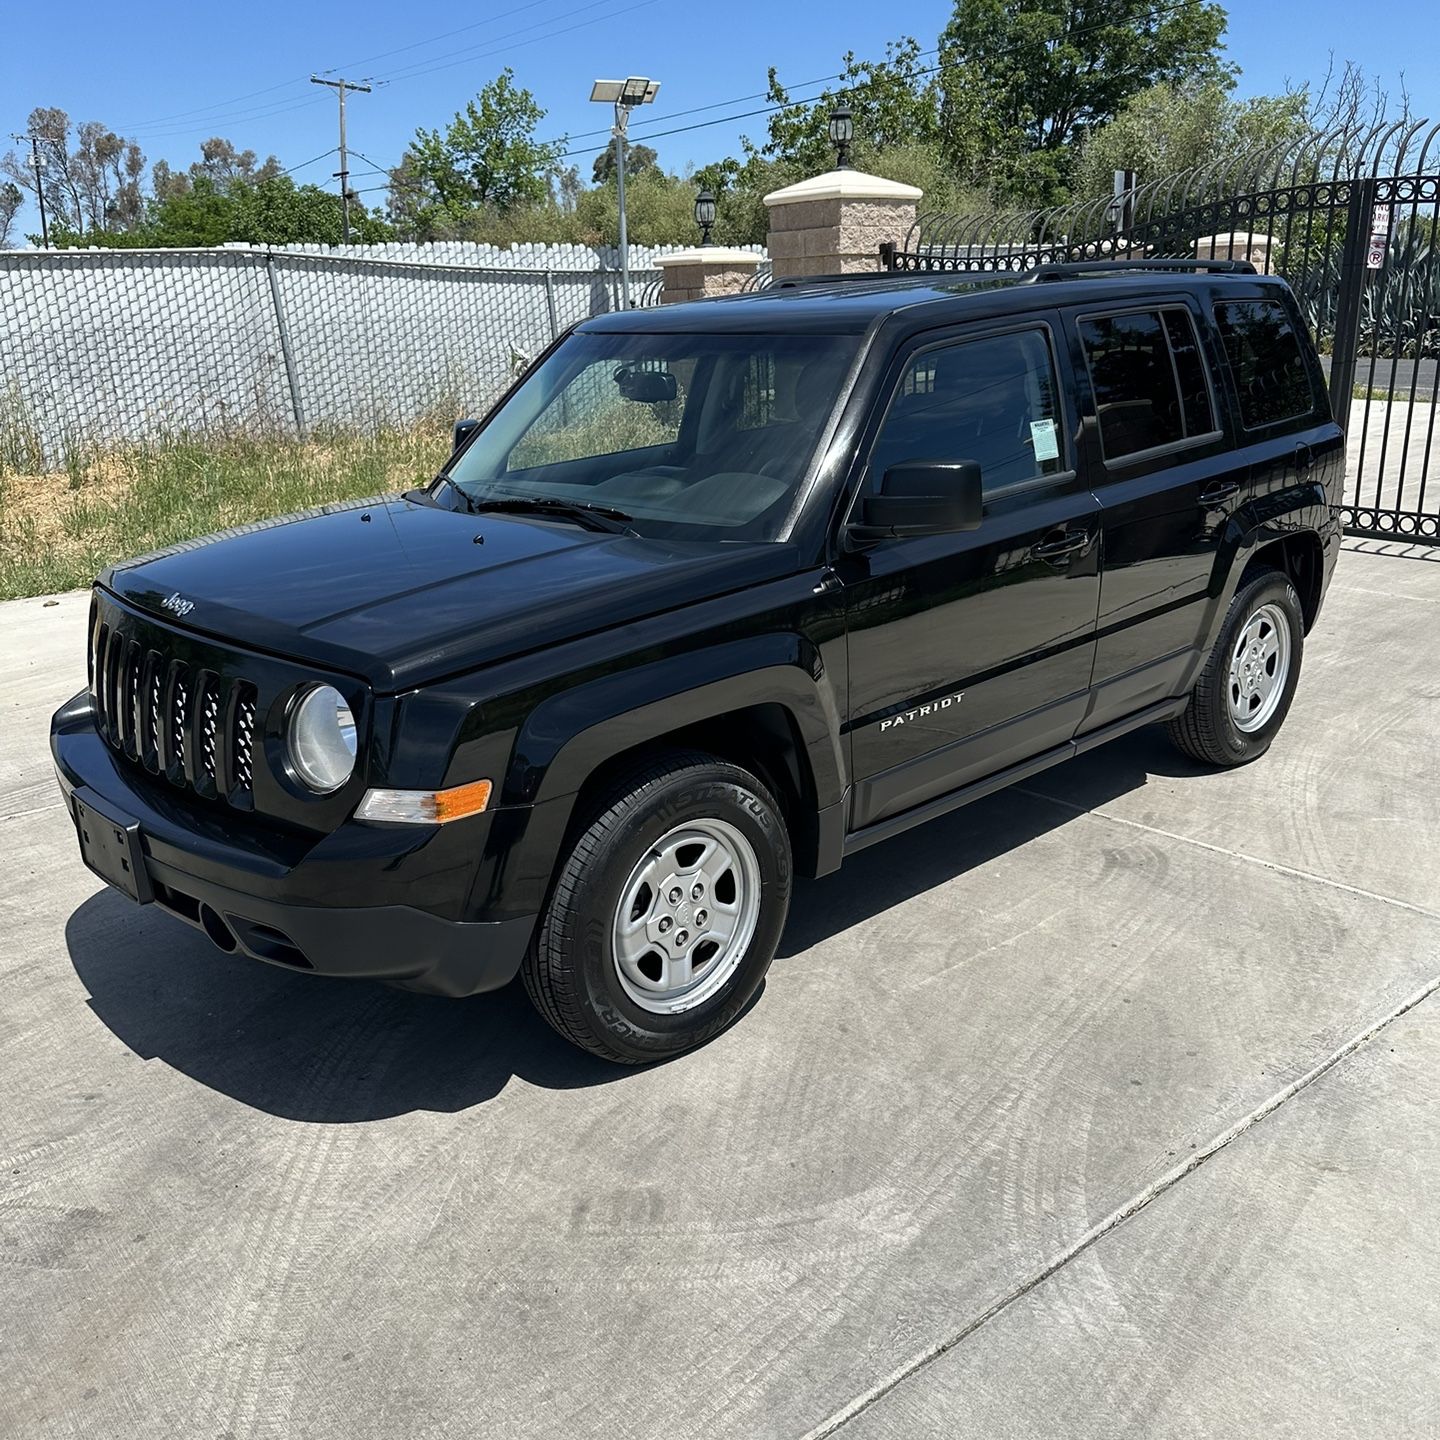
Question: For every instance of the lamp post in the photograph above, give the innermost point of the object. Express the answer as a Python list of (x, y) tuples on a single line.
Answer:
[(842, 132), (625, 95), (705, 214)]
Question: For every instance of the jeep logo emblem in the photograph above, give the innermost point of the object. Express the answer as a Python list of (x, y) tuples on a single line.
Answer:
[(177, 604)]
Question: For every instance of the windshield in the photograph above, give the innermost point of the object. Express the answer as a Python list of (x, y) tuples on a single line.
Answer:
[(684, 436)]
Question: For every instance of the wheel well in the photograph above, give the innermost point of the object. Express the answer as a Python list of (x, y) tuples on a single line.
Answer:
[(763, 739), (1300, 557)]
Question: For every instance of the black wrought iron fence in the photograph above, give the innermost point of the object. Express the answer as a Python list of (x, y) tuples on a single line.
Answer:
[(1349, 217)]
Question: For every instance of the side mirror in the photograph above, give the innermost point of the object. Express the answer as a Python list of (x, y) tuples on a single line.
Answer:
[(464, 429), (922, 497)]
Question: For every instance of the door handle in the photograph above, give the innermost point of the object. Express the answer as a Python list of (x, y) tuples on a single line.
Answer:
[(1304, 458), (1069, 543), (1219, 494)]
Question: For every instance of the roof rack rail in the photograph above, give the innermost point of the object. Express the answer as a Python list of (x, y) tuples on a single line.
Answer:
[(885, 277), (1072, 269)]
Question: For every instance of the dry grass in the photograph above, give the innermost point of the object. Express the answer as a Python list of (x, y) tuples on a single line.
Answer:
[(59, 529)]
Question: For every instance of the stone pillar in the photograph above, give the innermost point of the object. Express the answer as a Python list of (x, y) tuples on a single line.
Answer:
[(1238, 246), (834, 224), (705, 271)]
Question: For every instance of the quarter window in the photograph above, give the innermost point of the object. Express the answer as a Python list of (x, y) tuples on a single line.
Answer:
[(1265, 356), (1190, 372), (1149, 380), (994, 401)]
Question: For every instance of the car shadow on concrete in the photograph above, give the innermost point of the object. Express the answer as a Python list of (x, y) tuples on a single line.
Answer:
[(330, 1051), (304, 1047), (897, 870)]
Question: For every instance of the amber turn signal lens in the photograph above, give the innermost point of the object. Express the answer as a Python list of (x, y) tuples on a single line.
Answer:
[(463, 800), (425, 807)]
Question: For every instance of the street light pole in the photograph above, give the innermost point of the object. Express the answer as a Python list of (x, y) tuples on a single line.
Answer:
[(622, 120), (625, 95)]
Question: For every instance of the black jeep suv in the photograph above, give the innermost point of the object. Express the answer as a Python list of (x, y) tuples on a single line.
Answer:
[(716, 594)]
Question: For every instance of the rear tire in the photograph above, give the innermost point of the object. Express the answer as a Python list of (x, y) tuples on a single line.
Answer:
[(1244, 692), (666, 912)]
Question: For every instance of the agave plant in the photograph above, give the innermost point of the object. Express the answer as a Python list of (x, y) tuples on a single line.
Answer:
[(1400, 313)]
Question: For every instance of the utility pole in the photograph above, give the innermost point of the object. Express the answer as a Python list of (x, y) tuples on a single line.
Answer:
[(39, 187), (341, 86)]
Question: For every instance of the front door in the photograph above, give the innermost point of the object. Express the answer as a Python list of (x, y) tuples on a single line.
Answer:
[(971, 652)]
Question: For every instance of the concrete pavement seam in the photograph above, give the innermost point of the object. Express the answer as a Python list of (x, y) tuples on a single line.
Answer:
[(1116, 1218), (1275, 865)]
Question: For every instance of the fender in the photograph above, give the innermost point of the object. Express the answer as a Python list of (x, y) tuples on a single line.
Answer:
[(1302, 509), (568, 736)]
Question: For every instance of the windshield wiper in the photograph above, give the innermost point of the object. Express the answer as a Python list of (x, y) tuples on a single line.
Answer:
[(593, 517)]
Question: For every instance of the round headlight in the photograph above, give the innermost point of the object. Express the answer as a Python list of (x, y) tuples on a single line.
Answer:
[(321, 739)]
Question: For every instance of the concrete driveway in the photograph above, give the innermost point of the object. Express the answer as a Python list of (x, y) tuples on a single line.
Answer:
[(1106, 1107)]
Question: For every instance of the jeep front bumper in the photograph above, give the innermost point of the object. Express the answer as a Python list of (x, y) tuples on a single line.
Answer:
[(268, 899)]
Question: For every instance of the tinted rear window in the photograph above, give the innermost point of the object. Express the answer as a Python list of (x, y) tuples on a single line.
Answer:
[(1149, 380), (1269, 366)]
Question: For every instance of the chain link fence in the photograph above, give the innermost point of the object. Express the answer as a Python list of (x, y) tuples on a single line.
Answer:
[(102, 347)]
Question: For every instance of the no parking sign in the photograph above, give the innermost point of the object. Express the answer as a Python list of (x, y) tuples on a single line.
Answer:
[(1379, 238)]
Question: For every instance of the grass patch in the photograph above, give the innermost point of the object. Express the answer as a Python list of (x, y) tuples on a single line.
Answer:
[(59, 528)]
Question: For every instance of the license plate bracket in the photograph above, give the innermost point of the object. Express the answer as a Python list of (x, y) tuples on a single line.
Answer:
[(110, 846)]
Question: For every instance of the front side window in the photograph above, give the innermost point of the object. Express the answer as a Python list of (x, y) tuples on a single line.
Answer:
[(687, 436), (1149, 380), (1265, 356), (993, 400)]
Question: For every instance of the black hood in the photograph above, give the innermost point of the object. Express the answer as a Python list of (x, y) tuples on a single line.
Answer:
[(400, 592)]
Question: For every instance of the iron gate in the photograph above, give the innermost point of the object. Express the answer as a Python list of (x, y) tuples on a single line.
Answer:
[(1360, 249)]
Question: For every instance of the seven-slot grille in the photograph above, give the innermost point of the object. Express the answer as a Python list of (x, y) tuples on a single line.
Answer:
[(175, 719)]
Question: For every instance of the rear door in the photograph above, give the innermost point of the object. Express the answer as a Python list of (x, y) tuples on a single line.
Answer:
[(973, 651), (1164, 470)]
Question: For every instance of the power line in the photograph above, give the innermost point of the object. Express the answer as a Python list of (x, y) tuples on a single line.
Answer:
[(435, 39), (1157, 13), (214, 105), (716, 105), (311, 161), (413, 72), (217, 112), (213, 122), (378, 169)]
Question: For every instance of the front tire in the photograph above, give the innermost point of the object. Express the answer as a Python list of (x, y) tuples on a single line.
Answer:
[(1244, 692), (666, 913)]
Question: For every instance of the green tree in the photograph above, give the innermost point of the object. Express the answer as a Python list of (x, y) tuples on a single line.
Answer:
[(894, 101), (220, 163), (12, 197), (487, 156), (638, 159), (1169, 128), (90, 176), (273, 211), (1025, 80)]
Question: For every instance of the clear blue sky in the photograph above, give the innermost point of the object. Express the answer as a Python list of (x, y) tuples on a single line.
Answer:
[(171, 74)]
